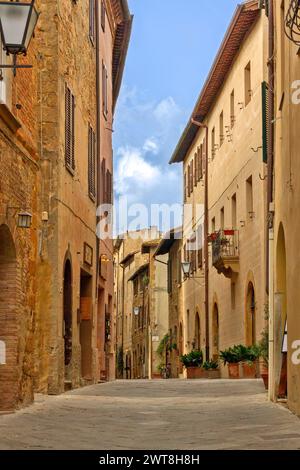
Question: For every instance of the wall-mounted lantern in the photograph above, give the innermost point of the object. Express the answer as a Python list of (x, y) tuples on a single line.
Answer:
[(17, 23), (186, 268), (24, 220)]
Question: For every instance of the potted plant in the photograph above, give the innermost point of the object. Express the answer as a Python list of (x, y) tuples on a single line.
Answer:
[(249, 357), (231, 357), (212, 369), (193, 362), (264, 357)]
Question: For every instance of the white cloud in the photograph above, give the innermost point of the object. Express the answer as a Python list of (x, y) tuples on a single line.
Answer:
[(151, 146), (166, 110), (134, 172)]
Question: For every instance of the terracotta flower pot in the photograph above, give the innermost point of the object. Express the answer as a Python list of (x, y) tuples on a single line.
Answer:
[(264, 373), (234, 370), (195, 373), (213, 374), (249, 370)]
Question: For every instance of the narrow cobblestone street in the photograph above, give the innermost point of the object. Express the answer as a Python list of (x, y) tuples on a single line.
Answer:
[(154, 415)]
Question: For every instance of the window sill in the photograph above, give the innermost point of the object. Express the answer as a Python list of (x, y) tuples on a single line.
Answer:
[(10, 120)]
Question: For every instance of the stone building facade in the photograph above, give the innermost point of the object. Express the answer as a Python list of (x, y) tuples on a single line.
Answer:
[(19, 188), (171, 245), (141, 303), (283, 235), (82, 50), (230, 106)]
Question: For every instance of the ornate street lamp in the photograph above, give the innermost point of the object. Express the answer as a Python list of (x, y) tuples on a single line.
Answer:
[(292, 22), (186, 268), (17, 23)]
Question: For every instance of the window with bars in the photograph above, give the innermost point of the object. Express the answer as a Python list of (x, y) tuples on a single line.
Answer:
[(69, 130), (92, 21), (103, 15), (104, 90), (92, 164)]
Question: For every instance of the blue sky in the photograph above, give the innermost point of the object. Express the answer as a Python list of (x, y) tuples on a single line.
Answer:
[(172, 47)]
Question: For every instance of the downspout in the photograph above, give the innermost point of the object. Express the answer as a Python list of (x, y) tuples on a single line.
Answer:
[(270, 133), (270, 209), (206, 272), (98, 111)]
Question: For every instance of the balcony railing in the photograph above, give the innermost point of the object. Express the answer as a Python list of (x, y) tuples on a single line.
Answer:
[(225, 251)]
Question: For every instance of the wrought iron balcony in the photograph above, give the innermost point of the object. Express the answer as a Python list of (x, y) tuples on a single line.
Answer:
[(225, 252)]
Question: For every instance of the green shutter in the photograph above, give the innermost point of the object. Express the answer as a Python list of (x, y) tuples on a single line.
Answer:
[(265, 113)]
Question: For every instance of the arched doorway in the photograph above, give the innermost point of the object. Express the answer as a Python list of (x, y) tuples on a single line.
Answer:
[(250, 316), (67, 324), (9, 369), (197, 332), (215, 333), (280, 360)]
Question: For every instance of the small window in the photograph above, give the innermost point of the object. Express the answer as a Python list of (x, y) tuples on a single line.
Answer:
[(103, 15), (213, 225), (233, 212), (69, 130), (221, 120), (92, 163), (222, 218), (92, 21), (232, 109), (248, 89), (104, 90), (249, 198), (213, 143)]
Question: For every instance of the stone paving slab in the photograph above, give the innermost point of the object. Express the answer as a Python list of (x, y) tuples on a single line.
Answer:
[(150, 415)]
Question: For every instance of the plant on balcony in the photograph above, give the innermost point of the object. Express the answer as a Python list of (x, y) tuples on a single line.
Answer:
[(193, 363)]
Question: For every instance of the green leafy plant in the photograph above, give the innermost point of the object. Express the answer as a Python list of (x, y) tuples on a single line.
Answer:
[(210, 365), (163, 346), (263, 346), (192, 359), (230, 356)]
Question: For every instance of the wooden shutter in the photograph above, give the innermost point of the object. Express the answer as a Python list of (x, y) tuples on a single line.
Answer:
[(200, 258), (103, 180), (69, 129), (92, 163), (192, 176), (104, 90), (170, 276), (103, 15), (108, 196), (92, 26), (196, 168), (265, 114), (189, 181), (184, 187)]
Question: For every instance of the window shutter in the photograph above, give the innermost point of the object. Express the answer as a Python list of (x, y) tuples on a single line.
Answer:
[(92, 26), (265, 114), (196, 168), (169, 276), (108, 195), (103, 15), (189, 181), (69, 130), (92, 163), (192, 176), (200, 258), (103, 180), (104, 89), (184, 187)]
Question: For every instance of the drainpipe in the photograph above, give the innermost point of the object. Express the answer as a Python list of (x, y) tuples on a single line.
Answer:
[(204, 126), (270, 132), (270, 209), (98, 113)]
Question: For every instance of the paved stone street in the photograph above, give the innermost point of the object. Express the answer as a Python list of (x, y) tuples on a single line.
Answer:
[(169, 414)]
